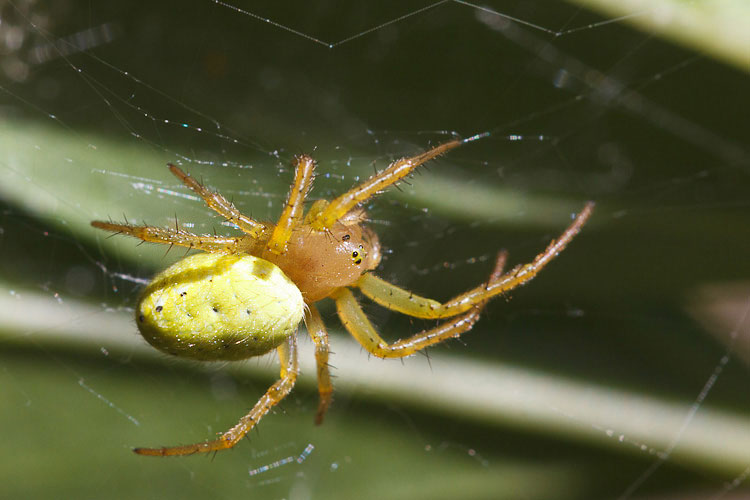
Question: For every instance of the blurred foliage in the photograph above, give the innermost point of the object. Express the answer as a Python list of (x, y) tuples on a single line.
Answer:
[(719, 28)]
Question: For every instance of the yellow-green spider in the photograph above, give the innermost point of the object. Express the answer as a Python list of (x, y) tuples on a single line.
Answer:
[(246, 295)]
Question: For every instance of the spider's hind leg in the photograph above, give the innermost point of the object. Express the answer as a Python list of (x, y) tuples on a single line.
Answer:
[(176, 236), (289, 369)]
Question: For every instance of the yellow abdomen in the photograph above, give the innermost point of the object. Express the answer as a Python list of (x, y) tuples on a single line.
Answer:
[(219, 307)]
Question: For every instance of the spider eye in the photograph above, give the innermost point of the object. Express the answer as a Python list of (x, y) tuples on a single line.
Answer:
[(357, 255)]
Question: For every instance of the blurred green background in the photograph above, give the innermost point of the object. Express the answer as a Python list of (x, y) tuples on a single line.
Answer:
[(622, 369)]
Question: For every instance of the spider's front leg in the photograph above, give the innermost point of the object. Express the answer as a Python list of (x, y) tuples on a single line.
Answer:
[(356, 322), (392, 297), (295, 202), (396, 171), (289, 369)]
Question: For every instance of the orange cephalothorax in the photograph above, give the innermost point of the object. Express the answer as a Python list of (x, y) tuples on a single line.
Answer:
[(319, 262)]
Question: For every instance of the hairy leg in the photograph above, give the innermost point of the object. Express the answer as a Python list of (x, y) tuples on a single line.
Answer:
[(403, 301), (168, 236), (356, 322), (319, 334), (221, 205), (278, 391), (292, 214), (397, 170)]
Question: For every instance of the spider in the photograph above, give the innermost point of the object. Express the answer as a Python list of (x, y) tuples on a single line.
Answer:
[(246, 295)]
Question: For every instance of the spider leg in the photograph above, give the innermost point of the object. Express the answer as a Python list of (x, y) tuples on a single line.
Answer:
[(356, 322), (403, 301), (292, 214), (319, 334), (289, 370), (396, 171), (169, 236), (221, 205)]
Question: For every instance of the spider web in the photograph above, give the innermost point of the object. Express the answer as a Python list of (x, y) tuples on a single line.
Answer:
[(620, 372)]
